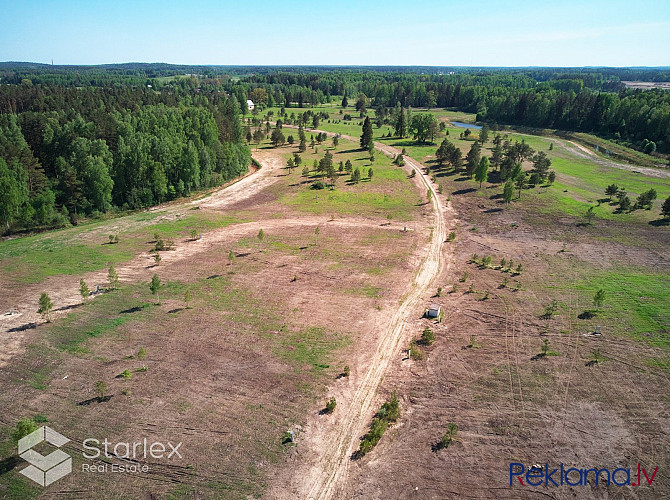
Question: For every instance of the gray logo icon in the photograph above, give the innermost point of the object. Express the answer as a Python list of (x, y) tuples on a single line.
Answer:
[(44, 470)]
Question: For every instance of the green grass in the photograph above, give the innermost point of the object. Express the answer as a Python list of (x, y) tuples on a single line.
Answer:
[(78, 250), (636, 300), (389, 194), (312, 347)]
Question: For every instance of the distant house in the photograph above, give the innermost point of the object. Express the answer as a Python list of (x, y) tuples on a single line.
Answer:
[(433, 311), (250, 104)]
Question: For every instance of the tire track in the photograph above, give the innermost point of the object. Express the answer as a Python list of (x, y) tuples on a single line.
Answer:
[(328, 476)]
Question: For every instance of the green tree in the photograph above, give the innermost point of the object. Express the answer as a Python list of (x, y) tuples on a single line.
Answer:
[(45, 307), (100, 389), (482, 171), (665, 209), (112, 278), (520, 182), (541, 164), (589, 215), (356, 176), (427, 337), (345, 102), (370, 173), (551, 178), (83, 289), (472, 159), (23, 427), (366, 136), (231, 257), (422, 125), (261, 235), (508, 191), (599, 298), (277, 138), (611, 190), (448, 437), (497, 155), (348, 166), (484, 134), (400, 122), (155, 287), (12, 195)]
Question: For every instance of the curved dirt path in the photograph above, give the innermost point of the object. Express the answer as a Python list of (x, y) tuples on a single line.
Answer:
[(327, 478), (247, 186), (64, 289), (585, 153)]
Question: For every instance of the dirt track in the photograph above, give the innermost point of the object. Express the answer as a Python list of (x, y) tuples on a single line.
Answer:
[(585, 153), (327, 477)]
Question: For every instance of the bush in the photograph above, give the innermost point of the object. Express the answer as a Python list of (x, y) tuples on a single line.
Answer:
[(330, 405), (448, 438), (346, 371), (126, 374), (318, 185), (451, 237), (414, 351), (427, 337), (388, 413), (23, 427)]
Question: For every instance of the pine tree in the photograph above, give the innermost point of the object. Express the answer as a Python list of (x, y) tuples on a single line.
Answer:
[(508, 191), (472, 159), (83, 289), (155, 287), (366, 136), (482, 171), (45, 307)]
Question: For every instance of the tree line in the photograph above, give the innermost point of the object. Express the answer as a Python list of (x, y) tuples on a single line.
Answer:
[(69, 152)]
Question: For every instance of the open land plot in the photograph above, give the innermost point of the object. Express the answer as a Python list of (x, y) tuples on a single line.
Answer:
[(250, 334)]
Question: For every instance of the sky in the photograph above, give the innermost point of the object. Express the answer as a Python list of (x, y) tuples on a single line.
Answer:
[(343, 32)]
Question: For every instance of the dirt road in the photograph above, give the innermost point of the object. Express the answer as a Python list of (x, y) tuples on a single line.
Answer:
[(585, 153), (328, 476)]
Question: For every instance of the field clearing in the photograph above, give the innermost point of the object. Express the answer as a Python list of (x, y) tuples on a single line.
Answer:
[(247, 370)]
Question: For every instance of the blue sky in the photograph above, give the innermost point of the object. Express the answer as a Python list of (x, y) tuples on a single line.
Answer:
[(441, 33)]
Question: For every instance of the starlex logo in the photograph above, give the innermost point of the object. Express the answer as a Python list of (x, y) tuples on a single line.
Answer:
[(538, 475), (44, 470)]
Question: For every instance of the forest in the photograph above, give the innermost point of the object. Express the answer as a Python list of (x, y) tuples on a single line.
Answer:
[(83, 141), (68, 152)]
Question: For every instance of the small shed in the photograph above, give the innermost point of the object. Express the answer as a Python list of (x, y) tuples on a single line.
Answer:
[(250, 104), (433, 311)]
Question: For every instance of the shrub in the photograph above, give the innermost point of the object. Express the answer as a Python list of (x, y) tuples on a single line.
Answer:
[(100, 389), (451, 237), (448, 438), (23, 427), (427, 337), (550, 310), (414, 351), (330, 405), (126, 374), (346, 371), (318, 185)]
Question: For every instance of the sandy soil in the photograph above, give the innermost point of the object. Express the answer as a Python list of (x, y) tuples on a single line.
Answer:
[(323, 471)]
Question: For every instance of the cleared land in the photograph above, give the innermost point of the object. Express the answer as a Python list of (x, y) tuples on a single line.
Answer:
[(249, 356), (594, 401)]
